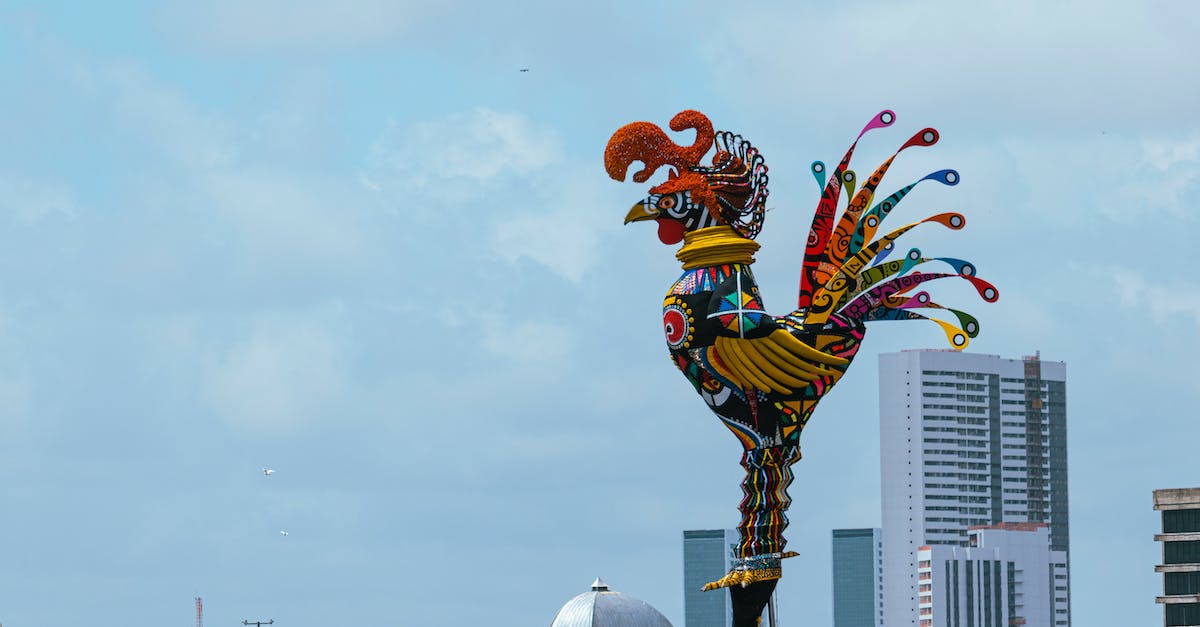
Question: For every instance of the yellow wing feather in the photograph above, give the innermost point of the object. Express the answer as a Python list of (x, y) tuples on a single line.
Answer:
[(778, 363)]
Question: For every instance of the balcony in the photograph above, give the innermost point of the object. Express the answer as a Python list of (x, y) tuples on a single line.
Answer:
[(1177, 568), (1178, 598)]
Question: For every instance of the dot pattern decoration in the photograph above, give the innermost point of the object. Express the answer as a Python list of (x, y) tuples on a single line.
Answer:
[(678, 323)]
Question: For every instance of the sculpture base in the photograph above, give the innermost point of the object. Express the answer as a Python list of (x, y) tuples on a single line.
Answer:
[(750, 601)]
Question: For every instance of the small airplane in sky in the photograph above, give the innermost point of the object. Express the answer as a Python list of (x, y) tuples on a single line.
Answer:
[(283, 533), (268, 471), (524, 69)]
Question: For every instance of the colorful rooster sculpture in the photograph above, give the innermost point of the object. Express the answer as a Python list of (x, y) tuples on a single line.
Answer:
[(763, 375)]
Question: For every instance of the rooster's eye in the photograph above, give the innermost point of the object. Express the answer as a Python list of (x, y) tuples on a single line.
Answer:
[(666, 202)]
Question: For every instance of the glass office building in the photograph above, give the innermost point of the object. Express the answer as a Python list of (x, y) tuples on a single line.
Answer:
[(857, 577), (706, 557)]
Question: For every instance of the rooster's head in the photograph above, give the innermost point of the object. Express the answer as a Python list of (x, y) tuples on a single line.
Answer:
[(675, 213), (732, 191)]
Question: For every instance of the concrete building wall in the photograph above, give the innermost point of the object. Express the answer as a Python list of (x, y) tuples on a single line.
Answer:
[(1180, 565), (1006, 576), (966, 440)]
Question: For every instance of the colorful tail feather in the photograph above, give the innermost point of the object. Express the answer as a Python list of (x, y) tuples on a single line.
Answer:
[(845, 273)]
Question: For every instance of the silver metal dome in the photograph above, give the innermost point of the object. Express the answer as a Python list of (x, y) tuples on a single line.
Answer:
[(602, 607)]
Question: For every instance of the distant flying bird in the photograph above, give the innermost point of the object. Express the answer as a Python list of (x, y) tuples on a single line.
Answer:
[(524, 69), (283, 533), (268, 471)]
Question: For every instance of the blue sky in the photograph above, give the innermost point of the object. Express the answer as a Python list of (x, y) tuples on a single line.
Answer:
[(351, 241)]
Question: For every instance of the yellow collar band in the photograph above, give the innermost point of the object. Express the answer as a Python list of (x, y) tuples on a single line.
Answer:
[(714, 246)]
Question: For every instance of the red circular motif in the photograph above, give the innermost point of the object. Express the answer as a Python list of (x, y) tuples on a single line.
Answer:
[(675, 324)]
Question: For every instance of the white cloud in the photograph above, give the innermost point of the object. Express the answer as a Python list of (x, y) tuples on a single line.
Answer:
[(279, 217), (532, 342), (1074, 181), (1169, 175), (438, 157), (284, 221), (285, 374), (16, 404), (1041, 67), (537, 207), (297, 25), (156, 113), (1164, 301), (560, 241), (31, 200), (1166, 153), (563, 229)]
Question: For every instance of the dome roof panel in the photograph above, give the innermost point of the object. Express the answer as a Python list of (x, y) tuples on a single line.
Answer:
[(604, 608)]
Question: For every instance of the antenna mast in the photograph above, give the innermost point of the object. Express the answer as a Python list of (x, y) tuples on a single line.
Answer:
[(199, 612)]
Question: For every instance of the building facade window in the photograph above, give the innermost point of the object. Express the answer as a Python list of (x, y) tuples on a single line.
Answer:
[(1179, 614), (1181, 521), (1181, 583), (1181, 552)]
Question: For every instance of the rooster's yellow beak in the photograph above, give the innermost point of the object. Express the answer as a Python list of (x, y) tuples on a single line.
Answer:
[(641, 211)]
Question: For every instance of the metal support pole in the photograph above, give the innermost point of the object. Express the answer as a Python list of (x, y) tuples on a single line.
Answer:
[(771, 610)]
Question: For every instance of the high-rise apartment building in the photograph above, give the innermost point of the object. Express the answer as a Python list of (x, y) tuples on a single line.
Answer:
[(966, 440), (706, 557), (1180, 565), (1006, 575), (857, 577)]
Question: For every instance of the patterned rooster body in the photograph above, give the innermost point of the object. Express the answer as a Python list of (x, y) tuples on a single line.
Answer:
[(764, 375), (761, 374)]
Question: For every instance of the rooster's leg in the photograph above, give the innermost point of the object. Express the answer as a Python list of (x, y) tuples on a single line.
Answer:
[(765, 501), (756, 567)]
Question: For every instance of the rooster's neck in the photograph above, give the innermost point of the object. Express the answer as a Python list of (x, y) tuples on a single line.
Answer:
[(714, 246)]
